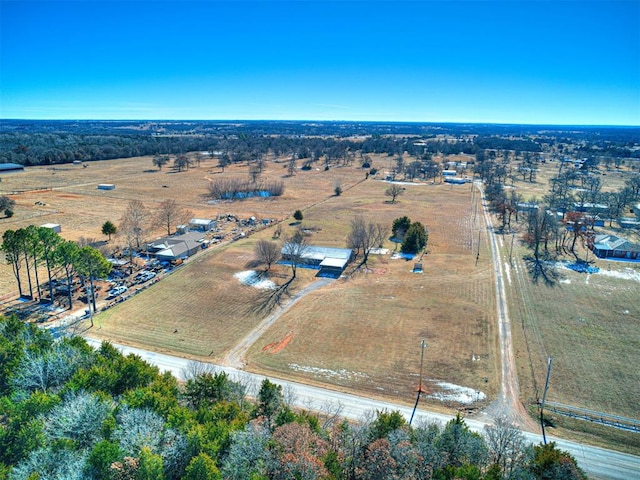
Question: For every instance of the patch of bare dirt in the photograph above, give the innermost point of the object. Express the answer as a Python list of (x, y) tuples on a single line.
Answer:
[(275, 347)]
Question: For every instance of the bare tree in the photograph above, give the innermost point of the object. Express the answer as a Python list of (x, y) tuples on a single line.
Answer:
[(291, 166), (394, 191), (170, 213), (506, 445), (267, 252), (294, 249), (182, 162), (365, 236), (254, 173), (223, 161), (133, 222), (160, 161)]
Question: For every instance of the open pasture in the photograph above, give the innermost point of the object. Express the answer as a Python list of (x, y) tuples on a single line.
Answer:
[(590, 325), (364, 332), (68, 195), (371, 323)]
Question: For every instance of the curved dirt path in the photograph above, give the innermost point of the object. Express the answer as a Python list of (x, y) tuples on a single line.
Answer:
[(508, 403), (235, 357)]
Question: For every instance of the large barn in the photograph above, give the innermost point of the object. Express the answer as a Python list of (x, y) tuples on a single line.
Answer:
[(330, 261)]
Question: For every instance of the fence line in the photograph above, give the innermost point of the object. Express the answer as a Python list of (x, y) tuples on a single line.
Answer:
[(623, 423)]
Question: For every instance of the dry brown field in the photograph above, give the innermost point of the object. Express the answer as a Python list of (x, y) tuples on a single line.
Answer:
[(364, 332), (361, 333), (68, 195), (370, 324)]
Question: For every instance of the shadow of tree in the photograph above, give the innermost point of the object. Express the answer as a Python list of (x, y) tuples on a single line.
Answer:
[(542, 270), (268, 300)]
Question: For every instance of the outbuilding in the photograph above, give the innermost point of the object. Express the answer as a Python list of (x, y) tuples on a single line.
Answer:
[(106, 186), (11, 168), (53, 226), (202, 224)]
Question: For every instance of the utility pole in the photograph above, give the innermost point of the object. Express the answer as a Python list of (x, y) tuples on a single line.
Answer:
[(423, 344), (513, 235), (544, 398)]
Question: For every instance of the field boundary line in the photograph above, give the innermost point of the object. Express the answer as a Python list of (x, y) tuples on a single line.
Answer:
[(616, 421)]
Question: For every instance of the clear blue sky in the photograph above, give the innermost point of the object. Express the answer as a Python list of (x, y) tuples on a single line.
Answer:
[(541, 62)]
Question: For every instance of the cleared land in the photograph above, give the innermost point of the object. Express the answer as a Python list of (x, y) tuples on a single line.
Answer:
[(362, 333), (370, 325), (373, 323)]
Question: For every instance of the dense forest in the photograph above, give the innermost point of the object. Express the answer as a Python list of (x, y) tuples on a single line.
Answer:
[(70, 412), (54, 142)]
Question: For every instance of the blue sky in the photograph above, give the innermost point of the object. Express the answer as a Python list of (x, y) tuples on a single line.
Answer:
[(538, 62)]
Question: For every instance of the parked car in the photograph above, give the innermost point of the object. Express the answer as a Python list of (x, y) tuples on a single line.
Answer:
[(114, 292), (145, 276)]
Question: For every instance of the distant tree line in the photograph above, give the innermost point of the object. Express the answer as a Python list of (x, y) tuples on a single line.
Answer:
[(52, 143), (69, 411)]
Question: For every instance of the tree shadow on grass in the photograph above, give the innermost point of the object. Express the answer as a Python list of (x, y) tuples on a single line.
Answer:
[(268, 300), (541, 270)]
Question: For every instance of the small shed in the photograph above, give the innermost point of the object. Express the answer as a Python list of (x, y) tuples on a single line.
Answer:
[(106, 186), (53, 226), (202, 224)]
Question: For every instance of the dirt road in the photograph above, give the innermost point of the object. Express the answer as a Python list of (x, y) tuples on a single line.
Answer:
[(235, 357), (508, 403)]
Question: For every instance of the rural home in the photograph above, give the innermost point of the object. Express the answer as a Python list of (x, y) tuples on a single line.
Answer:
[(610, 246), (177, 247), (330, 261), (202, 224)]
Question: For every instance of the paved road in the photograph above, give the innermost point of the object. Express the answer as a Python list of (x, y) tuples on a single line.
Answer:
[(596, 462)]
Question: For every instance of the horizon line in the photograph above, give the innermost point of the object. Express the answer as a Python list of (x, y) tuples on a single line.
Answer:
[(417, 122)]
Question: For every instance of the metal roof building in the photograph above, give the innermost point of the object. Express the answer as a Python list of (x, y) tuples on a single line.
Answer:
[(11, 167)]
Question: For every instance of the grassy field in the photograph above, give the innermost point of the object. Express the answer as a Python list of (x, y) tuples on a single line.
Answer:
[(590, 324), (68, 195), (362, 333), (370, 324)]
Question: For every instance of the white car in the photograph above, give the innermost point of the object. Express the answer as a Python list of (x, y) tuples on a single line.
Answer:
[(146, 276), (114, 292)]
